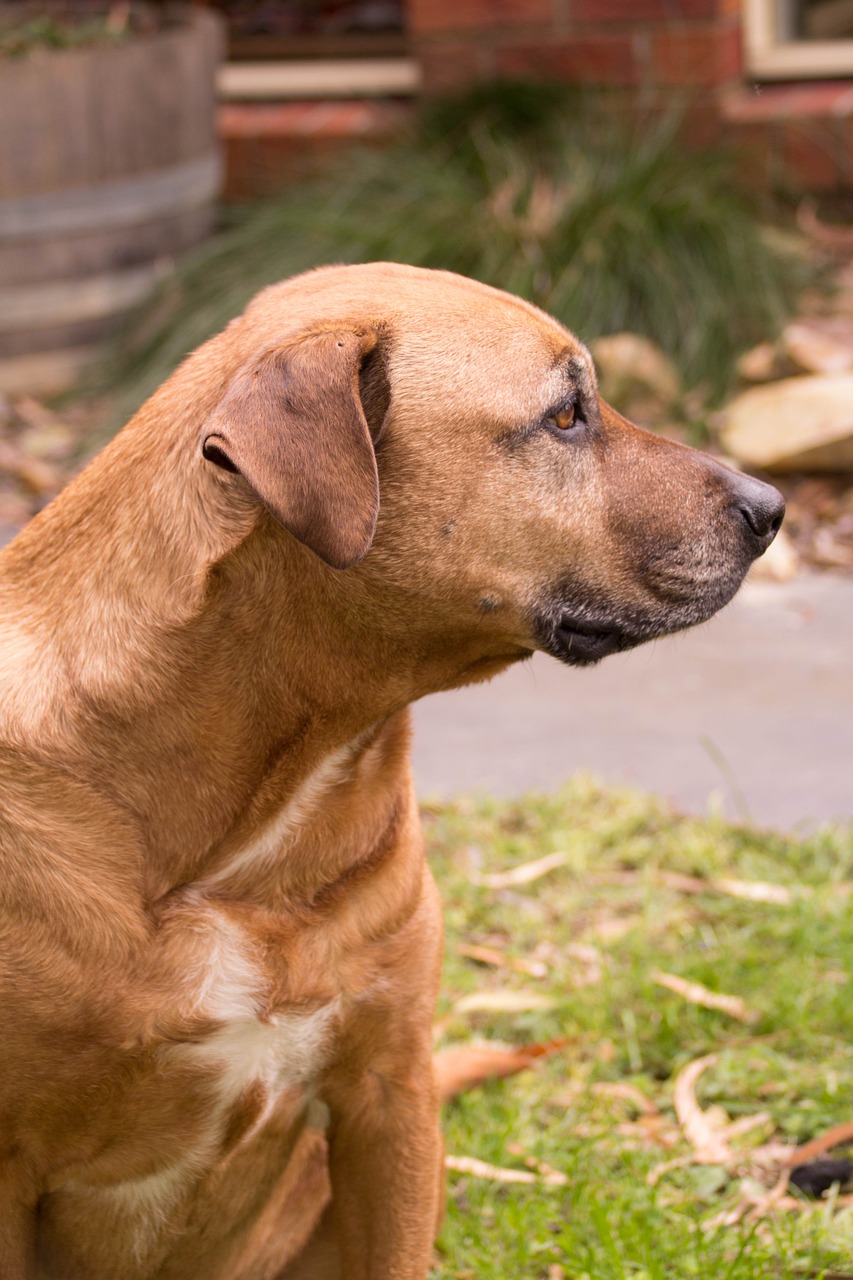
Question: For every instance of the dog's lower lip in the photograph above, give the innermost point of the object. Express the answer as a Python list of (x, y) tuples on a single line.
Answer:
[(589, 639)]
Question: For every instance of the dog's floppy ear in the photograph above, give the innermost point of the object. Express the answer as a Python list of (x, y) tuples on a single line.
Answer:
[(293, 425)]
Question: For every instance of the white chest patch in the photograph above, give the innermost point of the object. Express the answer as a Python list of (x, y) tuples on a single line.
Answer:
[(286, 1051), (267, 845), (280, 1050)]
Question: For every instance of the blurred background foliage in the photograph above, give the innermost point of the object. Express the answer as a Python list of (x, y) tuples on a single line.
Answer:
[(609, 224)]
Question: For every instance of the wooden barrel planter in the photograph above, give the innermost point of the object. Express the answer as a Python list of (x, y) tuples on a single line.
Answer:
[(109, 168)]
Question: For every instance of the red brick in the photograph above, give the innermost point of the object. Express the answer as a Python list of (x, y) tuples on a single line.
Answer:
[(844, 129), (259, 166), (708, 56), (614, 60), (447, 66), (812, 156), (426, 17), (269, 144), (670, 12)]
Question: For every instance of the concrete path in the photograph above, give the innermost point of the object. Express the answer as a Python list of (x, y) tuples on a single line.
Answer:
[(753, 710)]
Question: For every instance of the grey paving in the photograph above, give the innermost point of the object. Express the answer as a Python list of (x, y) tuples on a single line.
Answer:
[(753, 712)]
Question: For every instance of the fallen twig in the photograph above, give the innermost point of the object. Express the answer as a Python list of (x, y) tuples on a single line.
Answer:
[(480, 1169), (750, 890), (696, 993), (823, 1142), (500, 960), (503, 1001), (524, 873)]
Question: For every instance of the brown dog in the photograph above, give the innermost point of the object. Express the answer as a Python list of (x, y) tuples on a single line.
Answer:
[(220, 940)]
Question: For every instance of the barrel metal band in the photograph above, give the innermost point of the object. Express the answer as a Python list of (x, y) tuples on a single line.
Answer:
[(124, 203), (44, 306)]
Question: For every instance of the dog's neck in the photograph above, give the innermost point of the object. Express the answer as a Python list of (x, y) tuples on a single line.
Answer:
[(206, 667)]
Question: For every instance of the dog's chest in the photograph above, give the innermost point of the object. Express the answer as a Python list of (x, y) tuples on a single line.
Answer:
[(235, 1066), (247, 1044)]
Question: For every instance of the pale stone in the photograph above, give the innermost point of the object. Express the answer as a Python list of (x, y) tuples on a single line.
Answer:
[(759, 364), (779, 563), (829, 552), (635, 375), (798, 424), (821, 344)]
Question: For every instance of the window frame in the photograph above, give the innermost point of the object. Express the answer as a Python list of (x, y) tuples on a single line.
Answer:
[(769, 56)]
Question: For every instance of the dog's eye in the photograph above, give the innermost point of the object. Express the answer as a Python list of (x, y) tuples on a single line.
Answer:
[(565, 419)]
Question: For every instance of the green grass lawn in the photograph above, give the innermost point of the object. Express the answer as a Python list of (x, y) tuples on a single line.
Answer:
[(595, 930)]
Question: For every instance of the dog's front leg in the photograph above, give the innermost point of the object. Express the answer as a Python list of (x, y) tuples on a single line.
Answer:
[(17, 1236), (385, 1164)]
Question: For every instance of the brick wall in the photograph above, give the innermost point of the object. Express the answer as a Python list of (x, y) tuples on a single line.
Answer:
[(624, 43), (794, 136)]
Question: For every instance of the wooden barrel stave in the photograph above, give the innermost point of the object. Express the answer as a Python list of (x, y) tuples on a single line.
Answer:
[(108, 169)]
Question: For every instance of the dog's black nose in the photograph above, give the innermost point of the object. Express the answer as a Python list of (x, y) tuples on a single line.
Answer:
[(760, 506)]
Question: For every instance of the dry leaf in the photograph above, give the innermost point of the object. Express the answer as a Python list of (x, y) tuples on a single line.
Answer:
[(651, 1131), (746, 1124), (500, 960), (839, 1202), (503, 1001), (588, 956), (697, 994), (770, 1155), (15, 509), (730, 1217), (567, 1097), (479, 1169), (755, 1202), (39, 477), (550, 1176), (584, 952), (654, 1175), (755, 891), (751, 890), (771, 1199), (525, 873), (463, 1067), (708, 1143), (626, 1093), (34, 413), (612, 928)]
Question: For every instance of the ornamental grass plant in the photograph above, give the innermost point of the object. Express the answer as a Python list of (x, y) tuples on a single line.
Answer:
[(603, 219)]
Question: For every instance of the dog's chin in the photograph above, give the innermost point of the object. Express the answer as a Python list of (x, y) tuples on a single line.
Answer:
[(582, 644)]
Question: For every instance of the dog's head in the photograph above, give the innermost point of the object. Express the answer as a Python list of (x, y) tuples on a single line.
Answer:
[(445, 444)]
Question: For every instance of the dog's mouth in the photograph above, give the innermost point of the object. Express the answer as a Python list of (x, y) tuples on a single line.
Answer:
[(580, 625), (582, 643)]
